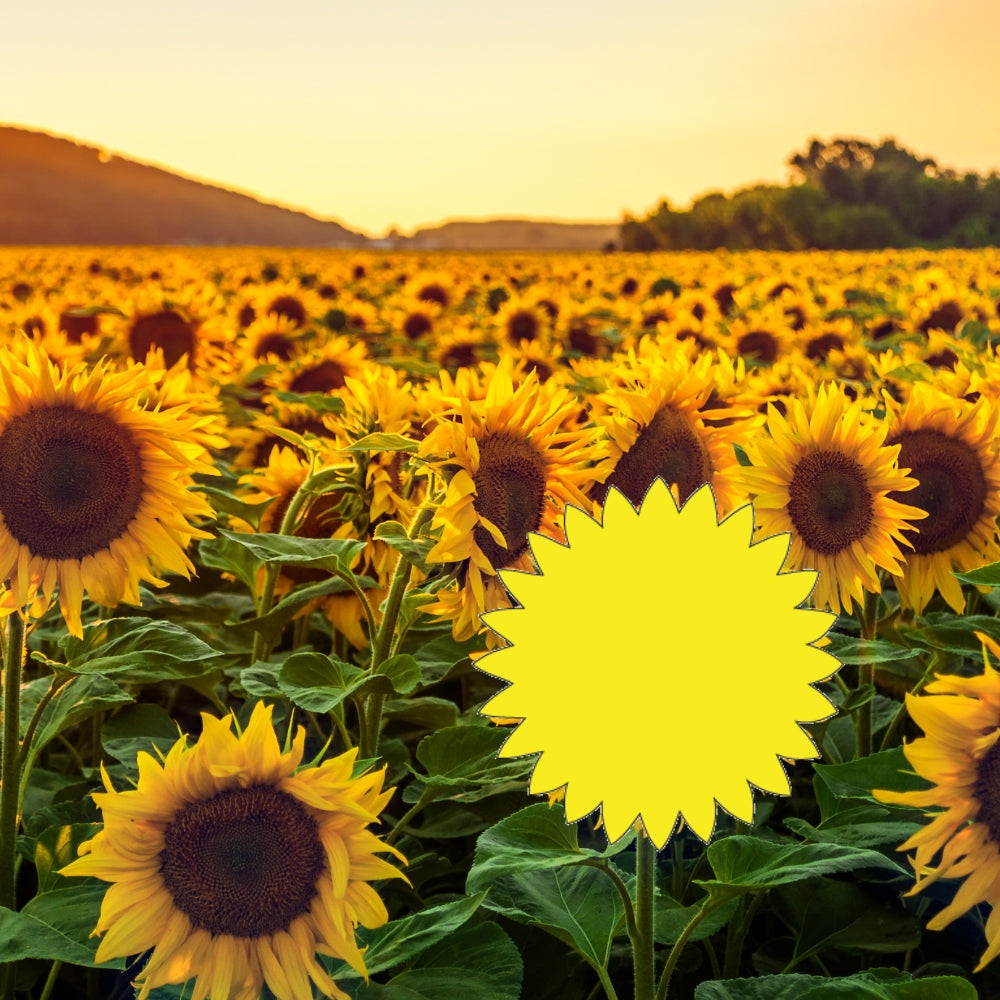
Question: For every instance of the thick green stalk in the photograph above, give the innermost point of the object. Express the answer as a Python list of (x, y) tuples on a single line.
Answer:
[(643, 954), (10, 782), (866, 674), (13, 662), (382, 642)]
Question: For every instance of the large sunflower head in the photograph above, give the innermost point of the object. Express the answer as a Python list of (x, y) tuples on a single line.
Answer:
[(94, 489), (825, 474), (510, 468), (656, 427), (950, 447), (960, 755), (233, 866)]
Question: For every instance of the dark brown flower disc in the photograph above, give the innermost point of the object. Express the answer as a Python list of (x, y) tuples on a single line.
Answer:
[(759, 344), (323, 377), (173, 334), (417, 325), (829, 502), (819, 347), (274, 343), (522, 325), (510, 492), (289, 307), (952, 488), (987, 791), (668, 448), (244, 862), (433, 293), (75, 325), (71, 481)]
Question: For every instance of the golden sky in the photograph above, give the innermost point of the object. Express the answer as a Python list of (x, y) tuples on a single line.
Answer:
[(396, 113)]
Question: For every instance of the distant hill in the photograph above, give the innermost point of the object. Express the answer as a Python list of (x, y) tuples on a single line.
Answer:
[(59, 191), (513, 234)]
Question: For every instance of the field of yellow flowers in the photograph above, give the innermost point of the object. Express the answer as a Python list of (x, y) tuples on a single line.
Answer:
[(309, 690)]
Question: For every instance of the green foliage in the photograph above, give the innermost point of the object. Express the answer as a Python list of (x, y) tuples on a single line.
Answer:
[(849, 195)]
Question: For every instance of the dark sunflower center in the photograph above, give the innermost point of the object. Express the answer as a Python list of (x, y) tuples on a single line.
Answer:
[(70, 481), (510, 492), (759, 344), (274, 343), (289, 307), (323, 377), (166, 330), (244, 862), (952, 488), (668, 448), (987, 791), (416, 325), (523, 325), (829, 502)]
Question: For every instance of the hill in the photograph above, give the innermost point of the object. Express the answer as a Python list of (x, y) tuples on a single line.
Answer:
[(512, 234), (59, 191)]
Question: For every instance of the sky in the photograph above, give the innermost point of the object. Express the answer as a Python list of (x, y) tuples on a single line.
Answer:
[(385, 113)]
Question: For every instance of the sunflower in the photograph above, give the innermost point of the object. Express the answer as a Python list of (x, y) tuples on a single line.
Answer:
[(826, 476), (960, 754), (950, 447), (94, 488), (655, 427), (235, 866), (510, 469)]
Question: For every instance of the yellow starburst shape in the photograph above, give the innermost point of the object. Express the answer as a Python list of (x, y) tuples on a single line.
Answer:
[(660, 664)]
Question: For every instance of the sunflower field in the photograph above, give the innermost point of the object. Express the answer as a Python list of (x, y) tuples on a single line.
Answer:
[(396, 626)]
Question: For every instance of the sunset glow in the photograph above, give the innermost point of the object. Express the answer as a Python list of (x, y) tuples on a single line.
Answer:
[(401, 114)]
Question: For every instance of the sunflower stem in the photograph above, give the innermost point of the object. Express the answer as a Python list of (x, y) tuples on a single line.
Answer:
[(708, 907), (382, 643), (935, 663), (50, 982), (643, 953), (866, 674), (261, 648), (9, 789)]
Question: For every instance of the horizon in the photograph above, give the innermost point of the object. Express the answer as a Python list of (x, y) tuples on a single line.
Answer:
[(402, 118)]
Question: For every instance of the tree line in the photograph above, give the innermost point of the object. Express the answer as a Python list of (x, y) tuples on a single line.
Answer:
[(846, 194)]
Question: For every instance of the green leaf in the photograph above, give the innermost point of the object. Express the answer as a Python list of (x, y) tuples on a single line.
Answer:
[(984, 576), (56, 925), (401, 940), (317, 682), (875, 984), (413, 550), (580, 906), (851, 651), (748, 864), (76, 701), (230, 557), (834, 914), (534, 839), (271, 624), (332, 554), (226, 503), (464, 757), (141, 650), (440, 656), (427, 712), (55, 848), (383, 442), (318, 402), (863, 826), (846, 786), (261, 680), (138, 728), (954, 633), (670, 918), (474, 963), (403, 671)]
